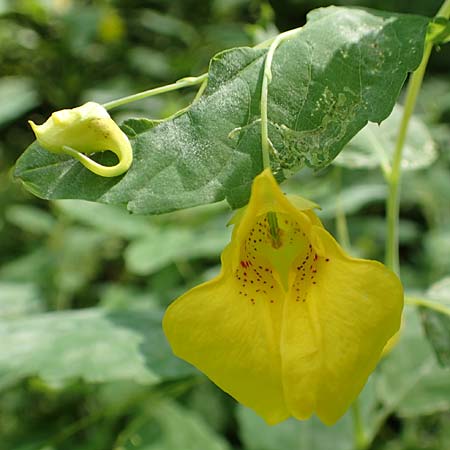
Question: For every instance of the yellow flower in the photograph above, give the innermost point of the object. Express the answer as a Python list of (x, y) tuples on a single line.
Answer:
[(86, 129), (292, 325)]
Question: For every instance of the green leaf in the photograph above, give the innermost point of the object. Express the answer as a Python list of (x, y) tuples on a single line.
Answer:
[(30, 267), (345, 67), (153, 244), (292, 434), (437, 245), (78, 255), (310, 434), (133, 127), (173, 244), (95, 344), (409, 381), (430, 396), (168, 426), (18, 96), (374, 145), (437, 324), (18, 299), (150, 62), (352, 199), (168, 25), (31, 219), (109, 219)]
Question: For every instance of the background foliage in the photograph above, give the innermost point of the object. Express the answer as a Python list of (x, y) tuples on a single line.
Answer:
[(83, 362)]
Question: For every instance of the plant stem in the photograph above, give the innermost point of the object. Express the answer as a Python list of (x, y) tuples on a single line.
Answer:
[(341, 226), (184, 82), (197, 97), (267, 78), (428, 304), (200, 91), (444, 10), (359, 435), (340, 217), (393, 200)]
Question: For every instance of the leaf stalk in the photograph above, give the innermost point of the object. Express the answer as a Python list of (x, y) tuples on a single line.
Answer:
[(184, 82)]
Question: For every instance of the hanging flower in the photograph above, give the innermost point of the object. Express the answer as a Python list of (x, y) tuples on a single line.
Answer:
[(292, 325), (83, 130)]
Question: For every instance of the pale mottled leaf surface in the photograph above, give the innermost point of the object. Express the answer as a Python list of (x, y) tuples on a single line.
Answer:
[(345, 67), (95, 344), (19, 299), (375, 144), (293, 434)]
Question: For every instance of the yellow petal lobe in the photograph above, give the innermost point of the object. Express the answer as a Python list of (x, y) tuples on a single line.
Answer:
[(222, 330), (349, 310)]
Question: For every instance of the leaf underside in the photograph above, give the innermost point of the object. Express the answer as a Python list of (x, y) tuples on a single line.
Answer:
[(344, 68), (437, 323)]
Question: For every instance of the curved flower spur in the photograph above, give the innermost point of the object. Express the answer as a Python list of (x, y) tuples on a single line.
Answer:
[(83, 130), (292, 325)]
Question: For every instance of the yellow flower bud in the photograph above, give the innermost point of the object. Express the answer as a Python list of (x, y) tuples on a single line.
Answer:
[(83, 130)]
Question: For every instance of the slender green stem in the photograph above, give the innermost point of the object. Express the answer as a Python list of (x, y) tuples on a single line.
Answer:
[(393, 200), (200, 91), (188, 107), (444, 10), (341, 226), (360, 438), (184, 82), (430, 304), (340, 217)]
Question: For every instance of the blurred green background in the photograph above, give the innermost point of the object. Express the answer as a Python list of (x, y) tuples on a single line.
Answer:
[(83, 362)]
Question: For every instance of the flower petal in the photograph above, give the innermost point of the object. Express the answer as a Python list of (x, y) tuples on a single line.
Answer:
[(292, 325), (332, 341), (230, 327), (232, 341)]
